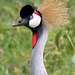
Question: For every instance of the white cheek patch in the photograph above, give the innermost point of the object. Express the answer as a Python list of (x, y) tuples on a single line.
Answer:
[(35, 21)]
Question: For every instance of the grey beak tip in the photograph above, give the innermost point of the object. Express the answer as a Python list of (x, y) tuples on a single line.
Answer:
[(13, 25)]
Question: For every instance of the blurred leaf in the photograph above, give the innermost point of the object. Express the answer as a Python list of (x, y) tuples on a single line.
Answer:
[(17, 71), (73, 59), (10, 11), (73, 73), (58, 38), (73, 21), (23, 69)]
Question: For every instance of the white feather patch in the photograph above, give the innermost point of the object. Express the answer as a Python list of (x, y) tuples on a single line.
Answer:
[(35, 21)]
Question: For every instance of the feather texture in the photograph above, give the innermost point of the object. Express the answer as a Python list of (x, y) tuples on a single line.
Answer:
[(54, 13)]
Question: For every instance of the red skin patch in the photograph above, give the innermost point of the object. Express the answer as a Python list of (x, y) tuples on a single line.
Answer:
[(35, 12), (34, 39), (35, 35)]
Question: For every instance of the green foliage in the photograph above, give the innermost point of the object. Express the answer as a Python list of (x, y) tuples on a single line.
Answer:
[(10, 11), (58, 38), (15, 43)]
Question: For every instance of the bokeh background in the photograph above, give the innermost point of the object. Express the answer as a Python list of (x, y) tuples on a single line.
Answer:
[(16, 48)]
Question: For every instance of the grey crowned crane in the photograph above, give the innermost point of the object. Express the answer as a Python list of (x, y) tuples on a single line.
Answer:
[(50, 13)]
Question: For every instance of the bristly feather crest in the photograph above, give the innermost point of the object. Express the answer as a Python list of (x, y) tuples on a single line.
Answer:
[(54, 13)]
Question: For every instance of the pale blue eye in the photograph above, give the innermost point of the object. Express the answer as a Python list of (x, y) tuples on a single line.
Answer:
[(31, 17)]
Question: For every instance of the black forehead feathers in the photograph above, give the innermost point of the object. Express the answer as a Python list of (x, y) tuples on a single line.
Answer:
[(26, 10)]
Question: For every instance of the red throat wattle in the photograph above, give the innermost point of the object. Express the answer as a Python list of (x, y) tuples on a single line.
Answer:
[(34, 39)]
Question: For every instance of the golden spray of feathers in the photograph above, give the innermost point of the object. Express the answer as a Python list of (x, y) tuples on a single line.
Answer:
[(54, 13)]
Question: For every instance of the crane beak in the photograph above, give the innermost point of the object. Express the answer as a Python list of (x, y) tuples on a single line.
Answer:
[(18, 23)]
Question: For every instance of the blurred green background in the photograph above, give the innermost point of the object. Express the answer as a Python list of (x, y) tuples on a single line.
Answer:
[(16, 48)]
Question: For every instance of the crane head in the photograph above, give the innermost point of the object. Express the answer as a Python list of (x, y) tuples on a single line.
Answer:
[(29, 17)]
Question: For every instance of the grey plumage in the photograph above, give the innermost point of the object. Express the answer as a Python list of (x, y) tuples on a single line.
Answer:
[(36, 63)]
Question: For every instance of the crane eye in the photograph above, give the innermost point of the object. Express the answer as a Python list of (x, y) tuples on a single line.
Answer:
[(34, 21), (31, 17)]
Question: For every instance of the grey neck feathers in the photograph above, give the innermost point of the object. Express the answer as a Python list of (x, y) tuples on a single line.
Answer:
[(36, 63)]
